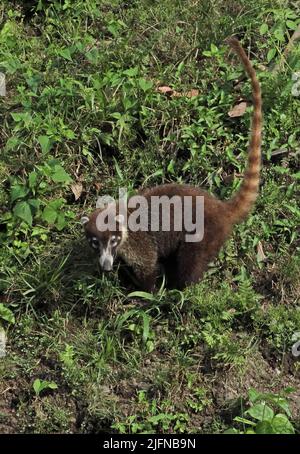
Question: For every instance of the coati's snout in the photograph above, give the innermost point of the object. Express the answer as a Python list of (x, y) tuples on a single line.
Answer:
[(106, 259), (105, 242)]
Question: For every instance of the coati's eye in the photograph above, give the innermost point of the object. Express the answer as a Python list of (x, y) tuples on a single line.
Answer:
[(94, 243), (114, 240)]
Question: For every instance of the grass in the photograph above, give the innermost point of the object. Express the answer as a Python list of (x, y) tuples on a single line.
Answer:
[(82, 108)]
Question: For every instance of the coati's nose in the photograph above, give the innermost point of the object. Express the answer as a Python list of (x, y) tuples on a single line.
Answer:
[(107, 265), (106, 261)]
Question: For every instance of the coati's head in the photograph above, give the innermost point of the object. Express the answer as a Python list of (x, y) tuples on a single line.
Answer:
[(105, 232)]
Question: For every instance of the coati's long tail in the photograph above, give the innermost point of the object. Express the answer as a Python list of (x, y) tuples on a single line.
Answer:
[(241, 203)]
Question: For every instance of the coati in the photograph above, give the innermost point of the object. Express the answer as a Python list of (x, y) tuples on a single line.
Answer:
[(185, 262)]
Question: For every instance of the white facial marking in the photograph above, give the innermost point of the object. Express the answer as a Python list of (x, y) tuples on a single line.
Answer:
[(106, 259)]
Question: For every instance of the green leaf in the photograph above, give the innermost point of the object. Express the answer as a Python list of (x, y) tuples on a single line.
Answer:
[(37, 386), (131, 72), (22, 210), (291, 24), (263, 29), (271, 54), (281, 425), (253, 395), (244, 421), (231, 431), (6, 314), (34, 203), (143, 295), (40, 385), (214, 49), (264, 427), (12, 143), (284, 405), (18, 191), (45, 143), (261, 411), (61, 222), (49, 214), (145, 85), (59, 175), (65, 53), (279, 35), (32, 178)]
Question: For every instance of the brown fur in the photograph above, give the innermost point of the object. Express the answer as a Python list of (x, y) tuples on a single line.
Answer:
[(186, 262)]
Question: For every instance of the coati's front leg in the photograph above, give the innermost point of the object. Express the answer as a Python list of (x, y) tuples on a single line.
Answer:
[(191, 262), (146, 278)]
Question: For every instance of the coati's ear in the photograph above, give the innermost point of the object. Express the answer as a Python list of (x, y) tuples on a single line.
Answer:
[(84, 220)]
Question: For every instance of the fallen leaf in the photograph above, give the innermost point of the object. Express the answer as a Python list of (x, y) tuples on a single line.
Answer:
[(176, 94), (261, 257), (192, 93), (238, 110), (165, 90), (279, 151), (77, 190), (98, 186)]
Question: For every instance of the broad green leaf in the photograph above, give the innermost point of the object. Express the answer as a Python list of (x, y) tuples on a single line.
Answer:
[(65, 53), (56, 204), (279, 34), (32, 178), (12, 143), (263, 29), (231, 431), (34, 203), (281, 425), (69, 134), (60, 175), (24, 117), (40, 385), (61, 222), (18, 191), (131, 72), (45, 143), (261, 411), (291, 24), (271, 54), (264, 427), (253, 395), (6, 314), (22, 210), (214, 48), (284, 405), (37, 386), (49, 214), (145, 85)]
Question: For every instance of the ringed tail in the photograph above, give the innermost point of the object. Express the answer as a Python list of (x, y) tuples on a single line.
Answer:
[(241, 203)]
